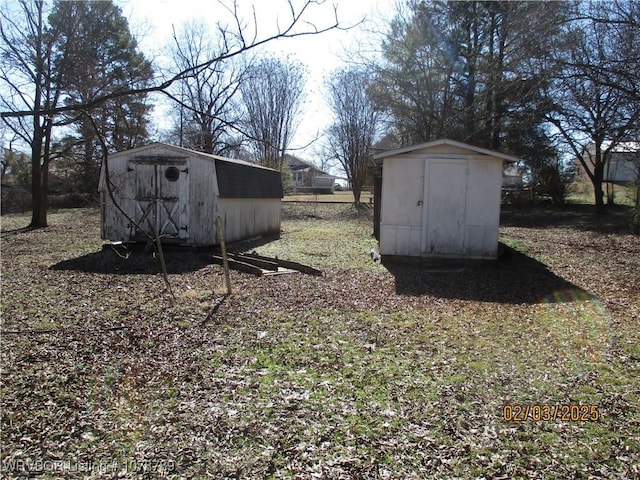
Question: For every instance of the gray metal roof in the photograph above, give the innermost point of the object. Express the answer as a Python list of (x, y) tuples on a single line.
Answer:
[(236, 178), (241, 180)]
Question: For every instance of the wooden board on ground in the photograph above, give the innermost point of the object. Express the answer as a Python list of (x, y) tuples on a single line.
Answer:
[(287, 264), (261, 265), (238, 265)]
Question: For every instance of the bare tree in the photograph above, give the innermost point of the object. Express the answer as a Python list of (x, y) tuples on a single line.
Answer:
[(29, 82), (209, 110), (622, 68), (355, 124), (593, 109), (272, 94), (42, 67), (238, 37)]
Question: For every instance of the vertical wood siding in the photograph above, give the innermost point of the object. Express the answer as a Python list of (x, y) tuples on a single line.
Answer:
[(186, 208)]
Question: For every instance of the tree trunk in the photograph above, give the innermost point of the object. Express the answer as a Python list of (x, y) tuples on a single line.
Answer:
[(37, 215), (598, 175), (357, 178), (471, 53), (357, 191), (88, 165), (38, 193), (39, 202), (611, 194)]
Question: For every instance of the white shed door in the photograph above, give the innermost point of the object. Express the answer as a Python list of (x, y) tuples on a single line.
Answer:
[(445, 201), (161, 199)]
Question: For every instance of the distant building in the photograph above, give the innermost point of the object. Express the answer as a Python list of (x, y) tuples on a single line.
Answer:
[(622, 167), (512, 176), (306, 178)]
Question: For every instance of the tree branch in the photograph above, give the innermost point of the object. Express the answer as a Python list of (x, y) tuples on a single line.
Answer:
[(188, 72)]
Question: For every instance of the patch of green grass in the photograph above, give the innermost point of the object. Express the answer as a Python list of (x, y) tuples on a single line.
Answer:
[(323, 242), (515, 243), (583, 195)]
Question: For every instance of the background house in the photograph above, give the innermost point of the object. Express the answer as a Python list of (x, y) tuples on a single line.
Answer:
[(512, 176), (622, 167), (177, 194), (439, 199), (307, 178)]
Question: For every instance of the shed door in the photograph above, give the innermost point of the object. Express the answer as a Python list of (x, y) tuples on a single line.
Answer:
[(161, 199), (445, 201)]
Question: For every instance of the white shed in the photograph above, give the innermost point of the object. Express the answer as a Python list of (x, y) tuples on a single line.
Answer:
[(440, 199), (623, 166), (177, 193)]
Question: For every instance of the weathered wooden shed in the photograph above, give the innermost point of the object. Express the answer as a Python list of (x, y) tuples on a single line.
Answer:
[(177, 193), (439, 199)]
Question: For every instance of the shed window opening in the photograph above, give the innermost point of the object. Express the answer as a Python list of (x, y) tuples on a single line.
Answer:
[(172, 174)]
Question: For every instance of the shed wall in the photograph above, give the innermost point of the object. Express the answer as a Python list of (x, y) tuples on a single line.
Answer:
[(483, 207), (403, 176), (115, 225), (623, 168), (245, 218), (441, 204), (203, 194)]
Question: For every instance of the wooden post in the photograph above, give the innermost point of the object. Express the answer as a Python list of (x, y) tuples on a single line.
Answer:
[(158, 246), (163, 265), (223, 247)]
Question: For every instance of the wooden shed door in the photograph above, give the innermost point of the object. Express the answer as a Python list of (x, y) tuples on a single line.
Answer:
[(162, 199), (445, 201)]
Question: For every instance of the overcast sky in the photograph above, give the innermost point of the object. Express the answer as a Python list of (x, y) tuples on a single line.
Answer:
[(152, 20)]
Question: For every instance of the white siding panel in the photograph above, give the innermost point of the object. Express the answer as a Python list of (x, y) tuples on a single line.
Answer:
[(446, 200), (485, 183), (202, 194), (245, 218), (623, 168), (481, 241), (402, 191), (387, 239), (114, 223), (400, 240)]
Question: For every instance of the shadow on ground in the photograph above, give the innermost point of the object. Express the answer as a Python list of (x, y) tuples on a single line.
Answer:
[(515, 278), (136, 259), (578, 216)]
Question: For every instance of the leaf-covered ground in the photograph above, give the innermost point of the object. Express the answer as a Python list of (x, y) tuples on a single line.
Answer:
[(369, 371)]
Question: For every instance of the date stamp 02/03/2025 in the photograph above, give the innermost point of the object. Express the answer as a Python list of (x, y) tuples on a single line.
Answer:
[(546, 413)]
